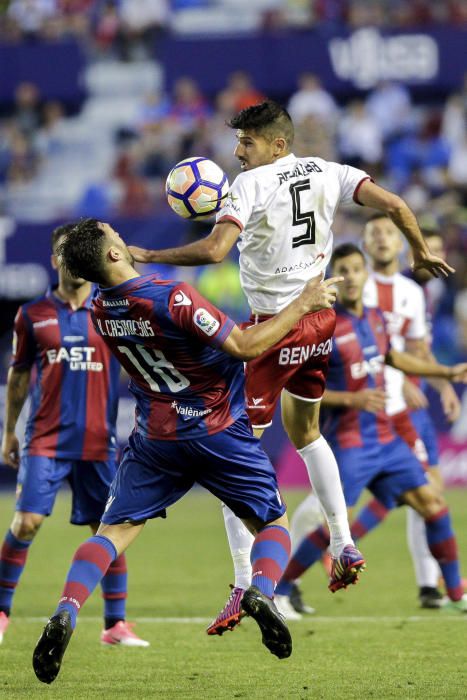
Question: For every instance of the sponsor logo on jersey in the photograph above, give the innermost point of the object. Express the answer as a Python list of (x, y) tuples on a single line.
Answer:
[(205, 321), (302, 265), (181, 299), (370, 367), (301, 169), (189, 412), (300, 353), (257, 401), (229, 203), (345, 338), (46, 322), (115, 302), (125, 326), (78, 358)]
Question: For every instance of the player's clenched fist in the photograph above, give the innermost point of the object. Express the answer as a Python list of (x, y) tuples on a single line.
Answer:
[(10, 450), (320, 294)]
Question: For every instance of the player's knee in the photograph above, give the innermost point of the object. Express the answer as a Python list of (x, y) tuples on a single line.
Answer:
[(26, 525), (302, 436), (431, 504)]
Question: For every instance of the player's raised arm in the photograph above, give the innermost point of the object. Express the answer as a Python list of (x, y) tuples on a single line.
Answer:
[(399, 212), (211, 249), (424, 368), (249, 343)]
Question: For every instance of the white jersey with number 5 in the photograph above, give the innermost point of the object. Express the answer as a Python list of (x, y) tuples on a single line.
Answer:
[(285, 212)]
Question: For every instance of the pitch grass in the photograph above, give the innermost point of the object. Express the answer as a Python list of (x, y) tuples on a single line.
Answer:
[(370, 641)]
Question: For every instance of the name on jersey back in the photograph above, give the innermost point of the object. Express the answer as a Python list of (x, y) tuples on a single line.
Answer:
[(300, 170)]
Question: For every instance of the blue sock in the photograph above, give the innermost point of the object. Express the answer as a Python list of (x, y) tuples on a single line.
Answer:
[(89, 565), (368, 518), (443, 546), (13, 557), (269, 556), (114, 592)]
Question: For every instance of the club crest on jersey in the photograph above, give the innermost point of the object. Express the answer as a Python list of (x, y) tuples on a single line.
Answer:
[(205, 321), (181, 299)]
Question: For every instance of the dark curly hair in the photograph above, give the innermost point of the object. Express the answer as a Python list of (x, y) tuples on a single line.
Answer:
[(343, 251), (268, 118), (81, 251)]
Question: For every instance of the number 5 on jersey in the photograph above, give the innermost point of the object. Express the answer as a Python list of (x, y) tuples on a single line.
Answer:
[(299, 217)]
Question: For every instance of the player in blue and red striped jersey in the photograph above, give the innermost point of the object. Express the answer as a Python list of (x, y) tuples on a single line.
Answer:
[(368, 451), (70, 433), (185, 359)]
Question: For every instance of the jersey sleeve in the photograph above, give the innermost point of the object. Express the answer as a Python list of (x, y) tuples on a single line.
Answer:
[(194, 314), (24, 344), (239, 202), (350, 181), (417, 327)]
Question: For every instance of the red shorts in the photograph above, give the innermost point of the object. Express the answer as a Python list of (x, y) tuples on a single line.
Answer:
[(404, 427), (298, 363)]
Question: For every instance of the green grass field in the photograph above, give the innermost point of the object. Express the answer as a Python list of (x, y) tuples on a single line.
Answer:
[(370, 641)]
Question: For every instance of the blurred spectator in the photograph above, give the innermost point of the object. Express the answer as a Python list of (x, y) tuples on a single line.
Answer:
[(222, 140), (30, 16), (22, 158), (155, 107), (142, 23), (48, 141), (241, 91), (425, 150), (188, 114), (360, 137), (389, 105), (311, 100), (27, 109), (315, 137), (454, 120), (107, 26)]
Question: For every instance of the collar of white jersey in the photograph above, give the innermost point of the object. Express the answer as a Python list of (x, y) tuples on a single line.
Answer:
[(285, 159), (385, 279)]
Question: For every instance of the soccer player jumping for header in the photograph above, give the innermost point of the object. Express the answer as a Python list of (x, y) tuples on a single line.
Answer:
[(280, 211), (185, 360)]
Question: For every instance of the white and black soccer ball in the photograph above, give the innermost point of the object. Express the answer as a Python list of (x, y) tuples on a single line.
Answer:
[(196, 187)]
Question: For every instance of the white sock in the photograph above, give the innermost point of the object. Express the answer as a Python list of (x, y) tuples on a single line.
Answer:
[(306, 518), (427, 571), (240, 543), (325, 481)]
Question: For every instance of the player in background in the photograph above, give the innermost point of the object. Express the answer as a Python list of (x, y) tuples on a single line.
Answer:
[(280, 211), (70, 433), (404, 309), (402, 301), (185, 359), (369, 452)]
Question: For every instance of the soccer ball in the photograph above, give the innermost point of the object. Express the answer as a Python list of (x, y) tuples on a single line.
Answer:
[(196, 187)]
